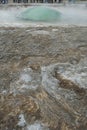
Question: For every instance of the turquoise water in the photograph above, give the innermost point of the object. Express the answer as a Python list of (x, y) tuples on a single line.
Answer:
[(40, 13), (44, 16)]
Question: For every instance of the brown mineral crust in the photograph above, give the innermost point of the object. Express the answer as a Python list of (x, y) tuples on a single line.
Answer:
[(68, 84), (27, 49), (12, 106)]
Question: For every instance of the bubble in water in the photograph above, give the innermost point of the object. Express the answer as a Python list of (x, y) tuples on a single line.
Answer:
[(40, 13)]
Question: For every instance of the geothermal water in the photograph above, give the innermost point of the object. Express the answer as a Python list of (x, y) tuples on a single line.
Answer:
[(73, 14), (40, 13)]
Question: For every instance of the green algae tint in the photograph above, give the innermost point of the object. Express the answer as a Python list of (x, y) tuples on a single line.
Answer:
[(40, 13)]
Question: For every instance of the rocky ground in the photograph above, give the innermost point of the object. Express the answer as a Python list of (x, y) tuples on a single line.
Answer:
[(43, 78)]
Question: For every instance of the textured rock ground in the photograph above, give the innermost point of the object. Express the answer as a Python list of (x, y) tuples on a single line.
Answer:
[(43, 78)]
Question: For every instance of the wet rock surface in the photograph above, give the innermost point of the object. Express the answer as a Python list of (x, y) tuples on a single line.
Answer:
[(43, 78)]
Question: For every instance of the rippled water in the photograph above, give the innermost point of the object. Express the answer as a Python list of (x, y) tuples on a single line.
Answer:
[(71, 15)]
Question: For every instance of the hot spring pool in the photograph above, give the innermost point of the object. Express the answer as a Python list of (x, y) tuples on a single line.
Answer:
[(75, 14)]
